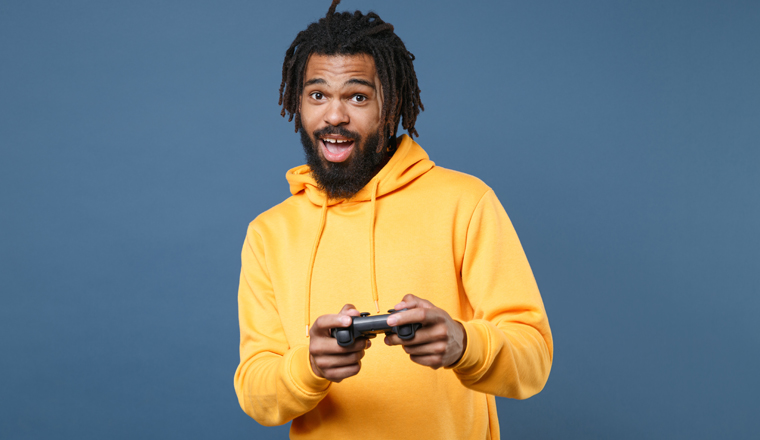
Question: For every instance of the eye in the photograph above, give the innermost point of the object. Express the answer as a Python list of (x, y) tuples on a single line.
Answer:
[(317, 95), (359, 98)]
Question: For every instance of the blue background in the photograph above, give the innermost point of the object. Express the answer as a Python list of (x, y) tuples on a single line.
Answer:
[(138, 139)]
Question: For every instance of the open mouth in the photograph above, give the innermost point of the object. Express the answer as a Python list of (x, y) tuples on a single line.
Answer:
[(336, 149)]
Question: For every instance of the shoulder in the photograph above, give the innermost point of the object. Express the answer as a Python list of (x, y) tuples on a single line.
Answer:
[(278, 216), (449, 182)]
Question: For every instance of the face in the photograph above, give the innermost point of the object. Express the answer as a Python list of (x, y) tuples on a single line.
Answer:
[(341, 124)]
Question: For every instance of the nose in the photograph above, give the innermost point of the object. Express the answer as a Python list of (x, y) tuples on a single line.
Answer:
[(336, 113)]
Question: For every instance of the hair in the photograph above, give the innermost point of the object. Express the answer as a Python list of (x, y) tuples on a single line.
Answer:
[(344, 33)]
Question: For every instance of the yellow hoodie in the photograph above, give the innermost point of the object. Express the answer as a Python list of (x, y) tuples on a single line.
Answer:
[(414, 228)]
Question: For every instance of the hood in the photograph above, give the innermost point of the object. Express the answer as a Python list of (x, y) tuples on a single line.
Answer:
[(408, 162)]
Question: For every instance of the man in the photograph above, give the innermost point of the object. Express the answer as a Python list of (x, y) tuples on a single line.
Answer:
[(372, 223)]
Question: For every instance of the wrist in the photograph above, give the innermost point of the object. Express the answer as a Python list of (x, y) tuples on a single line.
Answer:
[(314, 369), (467, 345), (462, 342), (301, 372)]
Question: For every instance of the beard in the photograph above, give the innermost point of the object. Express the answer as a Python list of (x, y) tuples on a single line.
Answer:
[(342, 180)]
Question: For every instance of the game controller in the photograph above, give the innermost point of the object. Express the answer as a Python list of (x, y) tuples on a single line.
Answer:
[(366, 326)]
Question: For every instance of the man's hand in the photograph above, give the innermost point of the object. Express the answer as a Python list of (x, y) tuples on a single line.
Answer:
[(440, 341), (328, 359)]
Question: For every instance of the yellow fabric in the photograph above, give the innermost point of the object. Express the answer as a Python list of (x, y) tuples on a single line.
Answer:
[(314, 248), (436, 233)]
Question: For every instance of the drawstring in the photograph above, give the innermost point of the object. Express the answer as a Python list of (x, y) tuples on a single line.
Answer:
[(373, 276), (307, 314)]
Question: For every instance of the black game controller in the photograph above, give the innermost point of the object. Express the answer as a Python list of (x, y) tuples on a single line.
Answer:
[(366, 326)]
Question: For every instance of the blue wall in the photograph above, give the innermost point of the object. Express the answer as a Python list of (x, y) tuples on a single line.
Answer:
[(138, 139)]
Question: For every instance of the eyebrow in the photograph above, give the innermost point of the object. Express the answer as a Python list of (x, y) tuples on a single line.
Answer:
[(363, 82), (350, 81), (314, 81)]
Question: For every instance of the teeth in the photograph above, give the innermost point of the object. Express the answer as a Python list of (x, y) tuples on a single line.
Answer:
[(336, 141)]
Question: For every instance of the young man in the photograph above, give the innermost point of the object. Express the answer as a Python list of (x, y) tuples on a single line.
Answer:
[(372, 224)]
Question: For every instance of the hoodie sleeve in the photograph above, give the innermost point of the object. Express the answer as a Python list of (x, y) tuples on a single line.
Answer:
[(274, 381), (509, 344)]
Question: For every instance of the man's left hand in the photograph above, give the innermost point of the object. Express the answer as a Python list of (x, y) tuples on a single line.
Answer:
[(440, 341)]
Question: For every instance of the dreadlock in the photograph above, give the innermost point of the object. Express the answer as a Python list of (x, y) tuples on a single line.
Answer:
[(350, 34)]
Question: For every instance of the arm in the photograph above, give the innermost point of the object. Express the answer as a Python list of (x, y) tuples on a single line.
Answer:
[(510, 348), (274, 381), (507, 348)]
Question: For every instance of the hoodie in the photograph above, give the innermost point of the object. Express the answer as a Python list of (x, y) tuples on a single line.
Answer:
[(414, 228)]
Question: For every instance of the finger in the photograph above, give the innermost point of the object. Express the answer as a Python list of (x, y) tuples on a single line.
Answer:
[(350, 310), (360, 344), (338, 374), (424, 316), (331, 321), (393, 339), (437, 348), (431, 360), (406, 317), (324, 324), (331, 361), (405, 301), (423, 335), (411, 301), (323, 345)]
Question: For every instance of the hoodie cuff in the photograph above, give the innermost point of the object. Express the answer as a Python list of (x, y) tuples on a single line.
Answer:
[(473, 357), (302, 374)]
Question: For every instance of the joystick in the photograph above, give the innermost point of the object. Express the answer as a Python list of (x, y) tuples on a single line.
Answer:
[(366, 326)]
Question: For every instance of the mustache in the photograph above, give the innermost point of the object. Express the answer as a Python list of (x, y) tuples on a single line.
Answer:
[(340, 131)]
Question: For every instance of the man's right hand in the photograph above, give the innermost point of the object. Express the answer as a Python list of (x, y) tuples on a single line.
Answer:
[(328, 359)]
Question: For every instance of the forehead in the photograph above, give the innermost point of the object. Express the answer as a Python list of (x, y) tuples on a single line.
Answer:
[(340, 66)]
